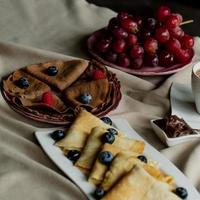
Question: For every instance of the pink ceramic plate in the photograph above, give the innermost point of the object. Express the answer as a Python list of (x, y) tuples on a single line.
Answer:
[(144, 71)]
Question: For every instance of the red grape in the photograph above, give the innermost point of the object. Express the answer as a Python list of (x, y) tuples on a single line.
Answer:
[(150, 23), (187, 41), (150, 45), (162, 13), (122, 15), (183, 55), (151, 60), (103, 45), (119, 33), (177, 32), (113, 23), (179, 17), (173, 45), (129, 25), (136, 63), (145, 34), (132, 39), (172, 21), (119, 46), (162, 35), (123, 60), (166, 59), (111, 57), (136, 51), (138, 20)]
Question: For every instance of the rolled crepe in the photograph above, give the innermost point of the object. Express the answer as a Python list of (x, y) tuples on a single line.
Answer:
[(92, 148), (138, 184), (79, 131), (121, 144), (123, 163)]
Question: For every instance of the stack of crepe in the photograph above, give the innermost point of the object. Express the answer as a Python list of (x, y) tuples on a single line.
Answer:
[(127, 177), (74, 77)]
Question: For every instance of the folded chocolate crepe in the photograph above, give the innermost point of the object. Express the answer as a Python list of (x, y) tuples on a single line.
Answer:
[(32, 95), (68, 72), (66, 83)]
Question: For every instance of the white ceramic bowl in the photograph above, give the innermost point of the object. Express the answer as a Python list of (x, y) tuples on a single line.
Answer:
[(172, 141)]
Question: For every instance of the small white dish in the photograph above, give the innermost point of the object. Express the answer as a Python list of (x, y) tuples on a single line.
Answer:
[(172, 141)]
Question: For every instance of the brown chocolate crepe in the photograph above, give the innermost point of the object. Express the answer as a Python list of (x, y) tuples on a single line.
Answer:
[(73, 78), (98, 89), (31, 96), (68, 72)]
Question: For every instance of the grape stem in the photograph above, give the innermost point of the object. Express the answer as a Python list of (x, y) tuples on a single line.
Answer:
[(187, 22)]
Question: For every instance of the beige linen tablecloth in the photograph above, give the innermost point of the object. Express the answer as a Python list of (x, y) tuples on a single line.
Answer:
[(25, 171)]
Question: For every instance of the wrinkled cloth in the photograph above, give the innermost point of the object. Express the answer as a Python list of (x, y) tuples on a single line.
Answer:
[(60, 26)]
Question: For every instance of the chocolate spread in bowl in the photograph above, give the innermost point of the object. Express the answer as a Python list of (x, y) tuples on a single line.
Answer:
[(174, 126)]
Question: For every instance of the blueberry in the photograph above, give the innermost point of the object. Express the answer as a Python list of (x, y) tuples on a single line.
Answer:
[(23, 83), (105, 157), (52, 70), (58, 135), (107, 120), (85, 98), (142, 158), (181, 192), (99, 193), (112, 130), (73, 155), (108, 137)]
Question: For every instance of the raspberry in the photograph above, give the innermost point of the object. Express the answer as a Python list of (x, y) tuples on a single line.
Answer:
[(98, 74), (47, 98)]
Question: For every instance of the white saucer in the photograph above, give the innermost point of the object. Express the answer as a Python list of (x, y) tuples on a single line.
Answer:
[(182, 104)]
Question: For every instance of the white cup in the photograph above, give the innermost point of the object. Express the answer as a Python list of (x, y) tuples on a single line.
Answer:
[(196, 85)]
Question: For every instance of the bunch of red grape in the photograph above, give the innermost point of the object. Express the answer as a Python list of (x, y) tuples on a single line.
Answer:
[(133, 41)]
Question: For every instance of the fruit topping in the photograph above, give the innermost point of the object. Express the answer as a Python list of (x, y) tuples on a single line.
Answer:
[(47, 98), (73, 155), (142, 158), (105, 157), (57, 135), (112, 130), (85, 98), (23, 83), (98, 74), (108, 137), (52, 71), (107, 120), (181, 192), (99, 193)]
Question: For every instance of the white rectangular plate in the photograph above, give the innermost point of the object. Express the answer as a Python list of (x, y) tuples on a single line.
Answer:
[(56, 155)]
